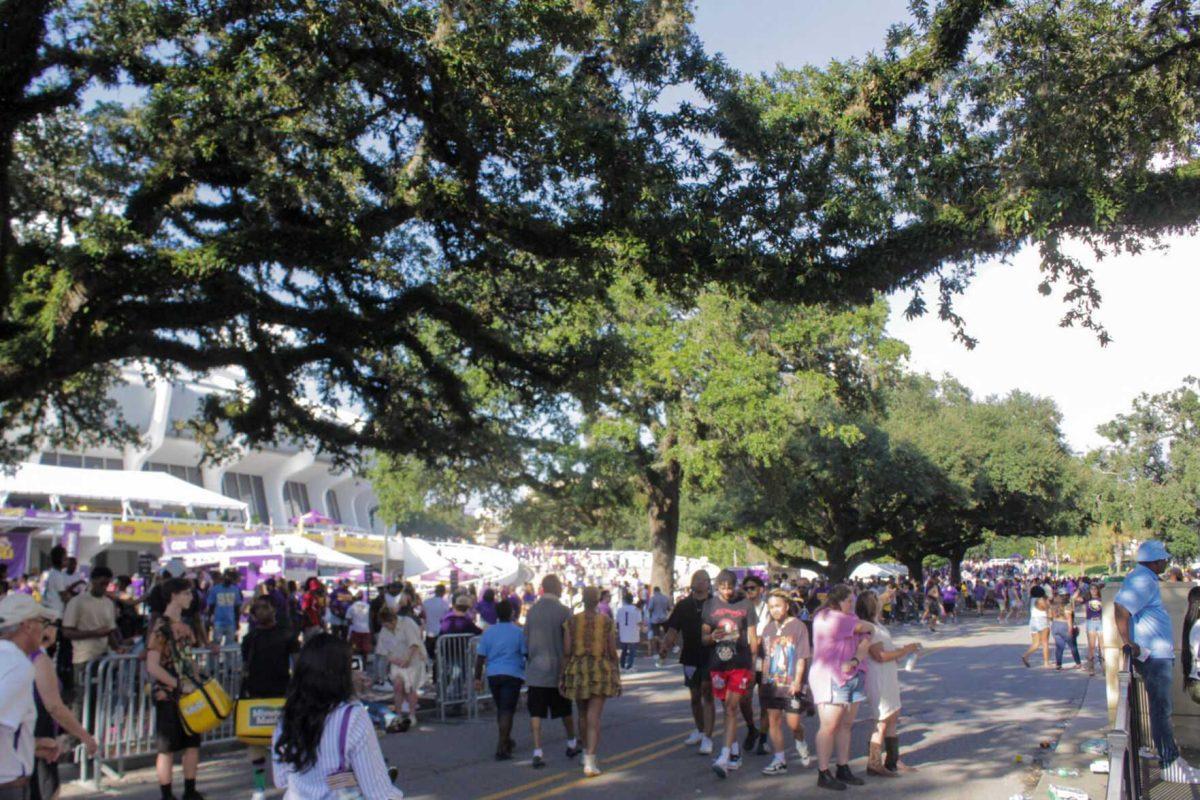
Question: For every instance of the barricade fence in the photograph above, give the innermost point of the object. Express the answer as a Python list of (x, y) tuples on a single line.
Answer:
[(1130, 733), (114, 696)]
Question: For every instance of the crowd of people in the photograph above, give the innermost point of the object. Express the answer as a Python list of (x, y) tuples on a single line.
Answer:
[(814, 656)]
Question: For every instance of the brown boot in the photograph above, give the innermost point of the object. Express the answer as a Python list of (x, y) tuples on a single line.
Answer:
[(875, 761)]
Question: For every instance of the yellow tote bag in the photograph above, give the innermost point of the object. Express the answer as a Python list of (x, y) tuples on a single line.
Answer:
[(256, 719), (205, 707)]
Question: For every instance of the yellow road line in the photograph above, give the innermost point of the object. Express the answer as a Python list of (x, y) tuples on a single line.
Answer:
[(609, 770), (560, 775)]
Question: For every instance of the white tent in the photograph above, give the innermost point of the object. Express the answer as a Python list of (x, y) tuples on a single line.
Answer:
[(326, 556), (885, 571), (124, 486)]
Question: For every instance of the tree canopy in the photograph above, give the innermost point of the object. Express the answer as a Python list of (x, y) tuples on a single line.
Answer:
[(392, 209)]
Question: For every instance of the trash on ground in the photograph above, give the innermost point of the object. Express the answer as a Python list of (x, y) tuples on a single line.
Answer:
[(1099, 766), (1095, 746), (1065, 772), (1067, 793)]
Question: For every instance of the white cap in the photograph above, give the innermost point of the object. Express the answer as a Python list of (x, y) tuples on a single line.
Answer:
[(17, 608)]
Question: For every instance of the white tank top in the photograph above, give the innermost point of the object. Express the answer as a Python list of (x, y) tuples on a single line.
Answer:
[(1036, 614)]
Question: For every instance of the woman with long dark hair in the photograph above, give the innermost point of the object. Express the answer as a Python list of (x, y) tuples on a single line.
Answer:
[(1190, 653), (325, 741)]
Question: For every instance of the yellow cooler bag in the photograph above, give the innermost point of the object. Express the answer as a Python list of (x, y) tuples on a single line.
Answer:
[(256, 719), (205, 707)]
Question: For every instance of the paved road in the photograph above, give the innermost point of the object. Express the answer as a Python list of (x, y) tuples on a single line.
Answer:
[(969, 709)]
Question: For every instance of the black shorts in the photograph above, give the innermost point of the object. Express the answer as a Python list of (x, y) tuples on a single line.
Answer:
[(777, 700), (546, 701), (172, 738), (695, 677), (506, 691), (948, 606)]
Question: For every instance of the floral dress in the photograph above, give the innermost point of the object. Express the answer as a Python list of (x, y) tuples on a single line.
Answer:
[(590, 668)]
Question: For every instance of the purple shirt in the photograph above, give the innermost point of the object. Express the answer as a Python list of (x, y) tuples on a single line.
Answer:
[(834, 643)]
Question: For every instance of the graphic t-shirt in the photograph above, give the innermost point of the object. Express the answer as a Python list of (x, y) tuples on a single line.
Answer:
[(733, 650), (784, 646), (359, 617), (226, 602)]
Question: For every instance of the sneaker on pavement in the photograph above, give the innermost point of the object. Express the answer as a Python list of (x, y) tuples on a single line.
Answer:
[(695, 737), (1179, 771), (720, 767), (846, 776), (803, 755), (735, 760), (775, 768), (257, 795), (825, 780), (538, 762), (706, 746), (573, 751)]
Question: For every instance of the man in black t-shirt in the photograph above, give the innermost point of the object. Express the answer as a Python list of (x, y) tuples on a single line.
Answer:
[(685, 623), (730, 627)]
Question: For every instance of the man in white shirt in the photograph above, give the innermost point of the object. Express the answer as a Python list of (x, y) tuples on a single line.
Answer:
[(22, 624), (629, 630)]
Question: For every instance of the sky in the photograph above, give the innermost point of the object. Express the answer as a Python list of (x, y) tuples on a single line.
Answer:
[(1147, 300)]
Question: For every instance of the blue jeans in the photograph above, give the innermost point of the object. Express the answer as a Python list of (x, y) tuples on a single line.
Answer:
[(1156, 673), (1062, 640), (628, 653)]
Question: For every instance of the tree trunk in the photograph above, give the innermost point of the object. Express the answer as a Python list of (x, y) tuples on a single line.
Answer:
[(956, 557), (663, 509), (915, 566)]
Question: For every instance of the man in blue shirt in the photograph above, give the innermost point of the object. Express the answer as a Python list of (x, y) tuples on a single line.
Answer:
[(502, 648), (1145, 628), (225, 605)]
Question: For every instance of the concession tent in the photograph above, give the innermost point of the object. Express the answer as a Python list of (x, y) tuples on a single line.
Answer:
[(154, 489), (885, 571)]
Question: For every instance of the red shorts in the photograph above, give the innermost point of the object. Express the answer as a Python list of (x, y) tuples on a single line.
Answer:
[(731, 680), (361, 643)]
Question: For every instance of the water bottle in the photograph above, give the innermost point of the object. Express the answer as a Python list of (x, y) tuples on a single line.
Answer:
[(1064, 772)]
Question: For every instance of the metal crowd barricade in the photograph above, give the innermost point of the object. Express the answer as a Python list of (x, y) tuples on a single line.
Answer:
[(455, 655), (1131, 731), (117, 698)]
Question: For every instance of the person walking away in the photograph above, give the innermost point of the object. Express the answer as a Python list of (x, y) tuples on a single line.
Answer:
[(629, 630), (883, 689), (658, 610), (544, 645), (950, 601), (401, 645), (590, 672), (686, 624), (359, 618), (502, 650), (58, 586), (339, 604), (53, 718), (436, 608), (730, 629), (325, 746), (1062, 618), (168, 662), (786, 652), (90, 621), (1039, 626), (224, 607), (1145, 628), (838, 682), (312, 608), (266, 667)]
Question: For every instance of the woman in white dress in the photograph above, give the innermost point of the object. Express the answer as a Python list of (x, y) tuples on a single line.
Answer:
[(883, 689), (401, 643)]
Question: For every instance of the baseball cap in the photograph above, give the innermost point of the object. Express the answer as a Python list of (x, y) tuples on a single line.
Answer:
[(17, 608), (1151, 550)]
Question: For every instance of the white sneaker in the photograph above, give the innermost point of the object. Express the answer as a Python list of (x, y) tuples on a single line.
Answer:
[(258, 795), (695, 737), (706, 746), (802, 754), (735, 761), (721, 768), (1179, 771)]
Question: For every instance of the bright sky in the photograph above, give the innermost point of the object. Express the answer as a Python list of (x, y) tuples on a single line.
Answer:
[(1148, 300)]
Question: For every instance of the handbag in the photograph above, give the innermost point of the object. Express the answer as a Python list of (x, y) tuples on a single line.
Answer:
[(207, 705), (255, 718), (343, 783)]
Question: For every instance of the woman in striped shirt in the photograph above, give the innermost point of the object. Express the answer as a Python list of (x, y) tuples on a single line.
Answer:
[(325, 740)]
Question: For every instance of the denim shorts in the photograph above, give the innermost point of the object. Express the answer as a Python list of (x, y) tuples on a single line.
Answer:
[(1095, 626), (852, 691)]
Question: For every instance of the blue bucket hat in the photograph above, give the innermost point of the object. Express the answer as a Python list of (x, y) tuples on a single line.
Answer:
[(1151, 550)]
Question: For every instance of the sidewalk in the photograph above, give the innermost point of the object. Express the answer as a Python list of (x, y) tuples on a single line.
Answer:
[(1089, 722)]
